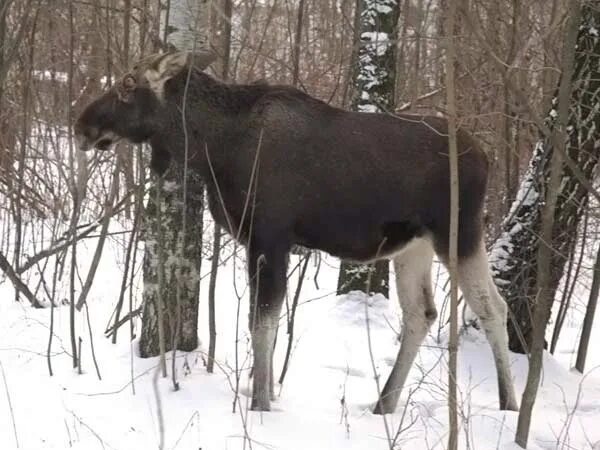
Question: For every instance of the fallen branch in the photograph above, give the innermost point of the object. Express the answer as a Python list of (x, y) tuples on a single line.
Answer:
[(17, 282), (32, 260), (113, 328)]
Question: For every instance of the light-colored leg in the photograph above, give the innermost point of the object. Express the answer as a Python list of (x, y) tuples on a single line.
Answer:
[(272, 376), (413, 281), (267, 271), (477, 286), (263, 339)]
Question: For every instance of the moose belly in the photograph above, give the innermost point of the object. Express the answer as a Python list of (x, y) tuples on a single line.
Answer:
[(360, 241)]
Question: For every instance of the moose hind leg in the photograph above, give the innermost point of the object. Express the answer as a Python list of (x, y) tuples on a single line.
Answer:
[(413, 281), (263, 337), (481, 294), (267, 272)]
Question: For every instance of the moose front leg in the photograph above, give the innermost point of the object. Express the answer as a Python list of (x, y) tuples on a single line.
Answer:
[(267, 273)]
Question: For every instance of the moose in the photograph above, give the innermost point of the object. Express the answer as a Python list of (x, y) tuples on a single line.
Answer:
[(360, 186)]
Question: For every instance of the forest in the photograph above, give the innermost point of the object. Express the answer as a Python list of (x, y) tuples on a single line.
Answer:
[(128, 307)]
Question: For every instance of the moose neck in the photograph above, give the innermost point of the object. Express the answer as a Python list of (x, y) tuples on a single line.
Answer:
[(215, 114)]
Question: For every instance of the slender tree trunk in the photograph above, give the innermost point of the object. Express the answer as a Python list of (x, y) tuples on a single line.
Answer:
[(416, 65), (212, 285), (572, 278), (353, 65), (216, 249), (297, 43), (125, 152), (454, 206), (588, 320), (186, 31), (3, 13), (4, 154), (375, 82), (74, 192), (544, 286), (514, 255)]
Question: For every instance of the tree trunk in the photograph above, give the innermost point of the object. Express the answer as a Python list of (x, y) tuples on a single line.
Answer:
[(588, 320), (544, 282), (297, 44), (181, 224), (374, 83), (214, 267), (514, 254), (454, 225)]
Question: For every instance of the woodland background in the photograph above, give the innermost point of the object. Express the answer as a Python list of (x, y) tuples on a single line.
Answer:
[(56, 56)]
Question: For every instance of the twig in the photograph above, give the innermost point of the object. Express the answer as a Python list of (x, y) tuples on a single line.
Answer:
[(79, 356), (370, 346), (12, 414), (87, 315), (292, 317), (132, 242), (31, 261), (17, 283), (212, 326), (159, 410), (524, 101), (110, 331), (114, 189), (161, 284), (90, 429), (50, 336), (195, 415)]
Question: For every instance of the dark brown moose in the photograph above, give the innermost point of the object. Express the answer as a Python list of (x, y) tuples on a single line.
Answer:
[(359, 186)]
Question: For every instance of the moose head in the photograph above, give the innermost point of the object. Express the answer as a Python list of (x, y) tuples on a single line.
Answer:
[(133, 108)]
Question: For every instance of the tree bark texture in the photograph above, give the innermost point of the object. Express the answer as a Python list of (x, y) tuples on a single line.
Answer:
[(588, 321), (544, 287), (187, 260), (374, 90), (454, 225), (514, 254), (186, 30)]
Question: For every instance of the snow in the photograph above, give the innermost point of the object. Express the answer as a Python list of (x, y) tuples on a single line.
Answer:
[(377, 42), (368, 108), (47, 75), (375, 45), (372, 8), (61, 77), (323, 404)]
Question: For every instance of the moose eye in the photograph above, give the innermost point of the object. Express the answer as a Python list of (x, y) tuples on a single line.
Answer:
[(129, 82)]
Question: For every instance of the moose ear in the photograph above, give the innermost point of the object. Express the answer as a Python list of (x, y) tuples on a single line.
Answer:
[(166, 66), (170, 64)]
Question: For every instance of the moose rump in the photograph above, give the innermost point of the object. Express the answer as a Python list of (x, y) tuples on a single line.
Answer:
[(283, 168)]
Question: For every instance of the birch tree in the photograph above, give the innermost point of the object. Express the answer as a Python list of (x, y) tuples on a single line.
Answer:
[(176, 218), (514, 254), (374, 92)]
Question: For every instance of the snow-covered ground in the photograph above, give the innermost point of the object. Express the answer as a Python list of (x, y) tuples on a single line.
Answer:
[(325, 400)]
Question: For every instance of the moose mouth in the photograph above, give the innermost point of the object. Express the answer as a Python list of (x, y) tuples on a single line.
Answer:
[(104, 144)]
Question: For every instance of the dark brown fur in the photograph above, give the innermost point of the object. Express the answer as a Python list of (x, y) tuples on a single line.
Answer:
[(356, 185), (339, 181)]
